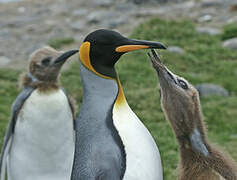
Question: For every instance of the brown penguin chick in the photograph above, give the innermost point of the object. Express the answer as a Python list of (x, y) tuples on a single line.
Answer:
[(199, 160), (44, 71), (41, 128), (44, 68)]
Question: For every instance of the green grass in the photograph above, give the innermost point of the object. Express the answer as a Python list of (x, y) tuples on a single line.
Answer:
[(230, 31), (204, 61), (58, 43)]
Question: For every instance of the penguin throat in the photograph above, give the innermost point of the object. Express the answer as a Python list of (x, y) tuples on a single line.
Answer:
[(121, 99), (33, 78), (106, 71), (30, 80)]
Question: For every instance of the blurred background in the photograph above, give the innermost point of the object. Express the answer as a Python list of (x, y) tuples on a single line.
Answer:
[(201, 36)]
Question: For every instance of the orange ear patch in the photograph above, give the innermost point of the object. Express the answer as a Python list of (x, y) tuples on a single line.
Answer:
[(85, 59), (84, 54)]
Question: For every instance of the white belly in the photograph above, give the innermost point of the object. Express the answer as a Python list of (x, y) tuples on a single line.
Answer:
[(43, 142), (142, 155)]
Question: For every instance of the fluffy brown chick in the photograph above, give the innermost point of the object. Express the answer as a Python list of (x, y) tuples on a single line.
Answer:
[(199, 160), (44, 68)]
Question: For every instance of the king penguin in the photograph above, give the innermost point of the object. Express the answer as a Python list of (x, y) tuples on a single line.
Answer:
[(111, 142), (39, 143)]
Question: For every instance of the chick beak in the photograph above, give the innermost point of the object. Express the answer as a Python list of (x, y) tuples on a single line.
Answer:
[(156, 62), (163, 72), (62, 58), (132, 45)]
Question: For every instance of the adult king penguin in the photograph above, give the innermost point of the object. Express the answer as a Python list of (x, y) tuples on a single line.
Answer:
[(111, 142), (39, 142)]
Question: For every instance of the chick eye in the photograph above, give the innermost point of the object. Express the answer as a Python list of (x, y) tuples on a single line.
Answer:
[(46, 61), (183, 84)]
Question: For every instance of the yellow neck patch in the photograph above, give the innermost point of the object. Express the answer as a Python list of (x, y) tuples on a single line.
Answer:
[(84, 54), (121, 99)]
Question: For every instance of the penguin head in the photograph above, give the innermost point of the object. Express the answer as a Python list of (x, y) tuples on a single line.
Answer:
[(179, 98), (46, 63), (102, 48)]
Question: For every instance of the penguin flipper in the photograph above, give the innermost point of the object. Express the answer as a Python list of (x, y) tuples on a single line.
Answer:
[(72, 104), (16, 107)]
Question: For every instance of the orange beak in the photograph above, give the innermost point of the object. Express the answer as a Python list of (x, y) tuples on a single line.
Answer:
[(132, 45)]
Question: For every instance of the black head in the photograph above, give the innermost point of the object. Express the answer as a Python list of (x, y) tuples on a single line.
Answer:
[(103, 48)]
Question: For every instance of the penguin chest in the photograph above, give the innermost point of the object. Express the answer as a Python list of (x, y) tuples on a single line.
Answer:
[(142, 155), (43, 139)]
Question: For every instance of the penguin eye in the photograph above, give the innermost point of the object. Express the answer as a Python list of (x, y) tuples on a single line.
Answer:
[(183, 84), (46, 61)]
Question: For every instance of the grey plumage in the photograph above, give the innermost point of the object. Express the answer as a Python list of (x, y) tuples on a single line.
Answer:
[(197, 143), (100, 153), (25, 93)]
